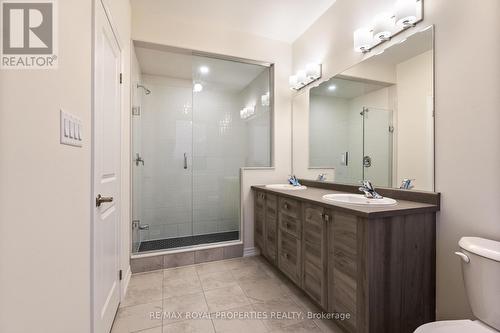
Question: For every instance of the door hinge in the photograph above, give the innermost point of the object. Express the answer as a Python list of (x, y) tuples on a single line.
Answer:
[(120, 274), (121, 78)]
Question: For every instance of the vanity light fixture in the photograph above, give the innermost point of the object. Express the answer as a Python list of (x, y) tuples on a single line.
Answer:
[(407, 13), (304, 77), (247, 112)]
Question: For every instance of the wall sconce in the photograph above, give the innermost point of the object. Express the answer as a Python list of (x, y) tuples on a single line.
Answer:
[(247, 112), (386, 25), (265, 99), (304, 77)]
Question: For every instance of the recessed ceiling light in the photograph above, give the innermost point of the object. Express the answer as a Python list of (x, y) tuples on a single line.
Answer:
[(332, 87), (197, 87), (204, 70)]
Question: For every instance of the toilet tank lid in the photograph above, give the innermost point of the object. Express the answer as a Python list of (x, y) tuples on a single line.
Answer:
[(482, 247)]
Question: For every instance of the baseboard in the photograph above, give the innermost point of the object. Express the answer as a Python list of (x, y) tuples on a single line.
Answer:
[(126, 282), (251, 251)]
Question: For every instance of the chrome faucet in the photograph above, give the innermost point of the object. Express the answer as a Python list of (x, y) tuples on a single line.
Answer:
[(407, 184), (322, 177), (369, 190)]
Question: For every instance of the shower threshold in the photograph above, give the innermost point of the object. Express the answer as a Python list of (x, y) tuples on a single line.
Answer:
[(172, 243)]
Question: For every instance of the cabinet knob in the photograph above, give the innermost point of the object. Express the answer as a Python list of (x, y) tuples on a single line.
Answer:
[(285, 205)]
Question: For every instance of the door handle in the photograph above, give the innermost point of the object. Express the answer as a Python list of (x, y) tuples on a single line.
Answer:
[(100, 199), (185, 161)]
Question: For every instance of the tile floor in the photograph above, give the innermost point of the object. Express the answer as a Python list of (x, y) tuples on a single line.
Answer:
[(169, 300)]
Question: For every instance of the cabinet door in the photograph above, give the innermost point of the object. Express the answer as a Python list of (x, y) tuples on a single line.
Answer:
[(342, 268), (271, 228), (314, 247), (289, 256), (259, 219)]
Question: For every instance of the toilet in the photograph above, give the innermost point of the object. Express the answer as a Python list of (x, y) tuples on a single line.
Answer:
[(481, 271)]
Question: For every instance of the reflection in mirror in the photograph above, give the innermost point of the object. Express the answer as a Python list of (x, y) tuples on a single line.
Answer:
[(375, 121)]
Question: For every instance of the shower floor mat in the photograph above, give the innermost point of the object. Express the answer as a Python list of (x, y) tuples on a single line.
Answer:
[(171, 243)]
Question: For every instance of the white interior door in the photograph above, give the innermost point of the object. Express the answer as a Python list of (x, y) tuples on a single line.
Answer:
[(106, 173)]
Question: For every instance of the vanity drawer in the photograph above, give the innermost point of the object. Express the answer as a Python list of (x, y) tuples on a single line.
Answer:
[(289, 261), (289, 207), (291, 225)]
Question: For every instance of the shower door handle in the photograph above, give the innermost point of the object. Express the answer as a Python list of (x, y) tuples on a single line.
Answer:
[(185, 161)]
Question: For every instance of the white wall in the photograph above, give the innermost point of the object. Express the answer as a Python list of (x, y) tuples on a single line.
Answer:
[(45, 194), (45, 188), (148, 25), (467, 117)]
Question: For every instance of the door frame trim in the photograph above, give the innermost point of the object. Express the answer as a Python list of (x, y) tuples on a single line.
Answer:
[(107, 12)]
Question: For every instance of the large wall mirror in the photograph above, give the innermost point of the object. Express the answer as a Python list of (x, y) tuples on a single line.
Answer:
[(374, 121)]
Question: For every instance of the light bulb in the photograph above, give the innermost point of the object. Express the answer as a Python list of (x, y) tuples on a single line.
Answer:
[(332, 87), (383, 27), (406, 13), (292, 81), (363, 39), (301, 77), (204, 70), (198, 87), (313, 71)]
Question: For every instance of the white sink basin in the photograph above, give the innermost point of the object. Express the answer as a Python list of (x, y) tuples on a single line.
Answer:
[(286, 187), (359, 200)]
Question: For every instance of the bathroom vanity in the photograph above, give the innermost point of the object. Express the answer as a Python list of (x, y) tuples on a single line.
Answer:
[(375, 263)]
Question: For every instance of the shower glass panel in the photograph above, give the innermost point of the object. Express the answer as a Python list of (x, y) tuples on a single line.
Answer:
[(203, 120), (377, 146)]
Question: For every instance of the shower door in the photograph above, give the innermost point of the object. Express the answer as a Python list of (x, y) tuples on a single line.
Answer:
[(190, 140), (377, 146), (162, 163)]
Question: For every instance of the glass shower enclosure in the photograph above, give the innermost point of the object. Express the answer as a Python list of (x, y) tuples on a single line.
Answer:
[(196, 121)]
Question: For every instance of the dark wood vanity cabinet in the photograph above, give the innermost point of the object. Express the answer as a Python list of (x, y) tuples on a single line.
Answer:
[(378, 268)]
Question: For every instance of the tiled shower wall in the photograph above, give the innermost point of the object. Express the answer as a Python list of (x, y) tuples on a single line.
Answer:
[(205, 198)]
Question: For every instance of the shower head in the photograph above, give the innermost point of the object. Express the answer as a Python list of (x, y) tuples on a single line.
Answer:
[(146, 90)]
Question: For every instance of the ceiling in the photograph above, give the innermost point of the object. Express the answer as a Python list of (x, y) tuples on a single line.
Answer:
[(283, 20), (223, 74)]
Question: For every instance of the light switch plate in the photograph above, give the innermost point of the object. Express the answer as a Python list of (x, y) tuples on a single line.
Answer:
[(71, 130)]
